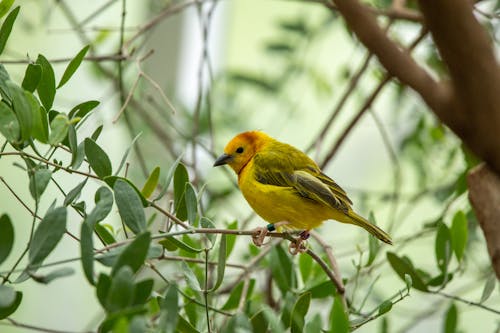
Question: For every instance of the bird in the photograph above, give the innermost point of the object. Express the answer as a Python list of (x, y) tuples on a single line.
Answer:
[(288, 189)]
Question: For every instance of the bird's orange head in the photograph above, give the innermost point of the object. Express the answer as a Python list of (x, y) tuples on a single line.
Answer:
[(241, 149)]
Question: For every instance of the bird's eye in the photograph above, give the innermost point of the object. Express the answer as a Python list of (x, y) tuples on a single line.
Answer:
[(239, 150)]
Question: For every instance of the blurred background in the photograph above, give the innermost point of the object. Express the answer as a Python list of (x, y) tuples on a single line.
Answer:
[(196, 73)]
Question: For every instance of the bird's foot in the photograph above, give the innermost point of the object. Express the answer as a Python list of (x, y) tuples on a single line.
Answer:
[(300, 243), (260, 233)]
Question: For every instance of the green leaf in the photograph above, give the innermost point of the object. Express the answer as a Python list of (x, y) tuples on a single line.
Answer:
[(459, 234), (73, 66), (238, 323), (73, 143), (259, 321), (169, 312), (104, 234), (275, 325), (180, 180), (171, 243), (121, 291), (47, 86), (143, 291), (7, 296), (102, 288), (168, 178), (281, 269), (185, 327), (151, 183), (443, 247), (22, 108), (4, 90), (87, 252), (125, 155), (32, 76), (80, 156), (305, 267), (450, 321), (6, 237), (98, 159), (231, 239), (38, 182), (82, 109), (9, 126), (340, 321), (385, 307), (5, 6), (58, 273), (235, 295), (74, 193), (487, 290), (7, 27), (103, 199), (322, 290), (221, 264), (7, 311), (299, 312), (40, 130), (191, 279), (313, 325), (402, 267), (129, 206), (111, 180), (47, 235), (191, 203), (134, 254), (286, 309), (58, 129)]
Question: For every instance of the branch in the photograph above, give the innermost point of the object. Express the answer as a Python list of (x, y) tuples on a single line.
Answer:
[(484, 195), (468, 53), (397, 61)]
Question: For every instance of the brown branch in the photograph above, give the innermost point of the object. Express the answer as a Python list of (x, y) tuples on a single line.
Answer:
[(484, 195), (468, 53), (396, 60)]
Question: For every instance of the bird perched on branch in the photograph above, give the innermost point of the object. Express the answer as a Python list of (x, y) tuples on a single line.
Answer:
[(287, 188)]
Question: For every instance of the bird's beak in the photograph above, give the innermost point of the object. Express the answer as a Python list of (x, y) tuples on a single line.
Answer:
[(223, 159)]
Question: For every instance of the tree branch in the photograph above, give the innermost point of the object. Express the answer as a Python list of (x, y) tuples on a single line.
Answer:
[(468, 53), (484, 195), (396, 60)]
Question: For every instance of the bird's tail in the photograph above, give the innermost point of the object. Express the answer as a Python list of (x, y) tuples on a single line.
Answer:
[(370, 227)]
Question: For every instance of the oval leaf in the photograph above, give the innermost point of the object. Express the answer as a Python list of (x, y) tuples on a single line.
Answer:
[(58, 129), (22, 108), (385, 307), (221, 264), (402, 267), (151, 182), (129, 206), (121, 291), (7, 27), (32, 77), (459, 234), (191, 203), (340, 321), (134, 254), (98, 159), (7, 311), (47, 86), (450, 322), (6, 237), (87, 252), (104, 203), (7, 296), (180, 180), (40, 130), (9, 126), (488, 288), (82, 109), (169, 310), (299, 312), (38, 182), (73, 66), (47, 235)]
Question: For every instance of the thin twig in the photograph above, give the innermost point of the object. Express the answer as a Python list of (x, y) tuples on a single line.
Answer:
[(36, 328)]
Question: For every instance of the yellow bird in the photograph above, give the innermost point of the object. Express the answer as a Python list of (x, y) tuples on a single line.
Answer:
[(287, 188)]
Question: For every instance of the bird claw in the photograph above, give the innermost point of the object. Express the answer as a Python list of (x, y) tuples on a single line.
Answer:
[(258, 236), (299, 245)]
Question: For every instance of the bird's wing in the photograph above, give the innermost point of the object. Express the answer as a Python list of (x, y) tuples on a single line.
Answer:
[(292, 168)]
